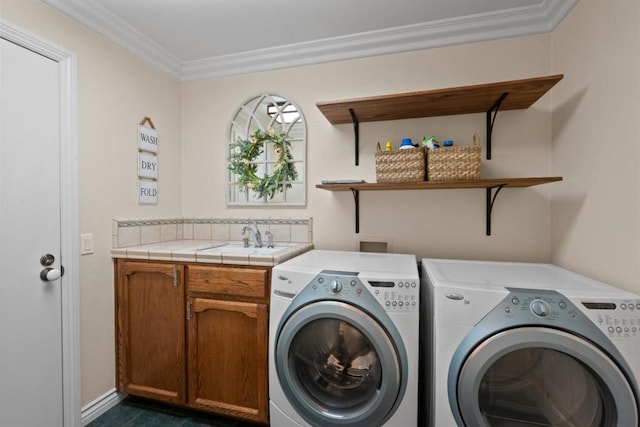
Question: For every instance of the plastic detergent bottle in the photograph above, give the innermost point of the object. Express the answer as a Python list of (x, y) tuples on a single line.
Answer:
[(406, 143)]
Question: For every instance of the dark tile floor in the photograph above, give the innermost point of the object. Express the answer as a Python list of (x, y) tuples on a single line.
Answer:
[(136, 412)]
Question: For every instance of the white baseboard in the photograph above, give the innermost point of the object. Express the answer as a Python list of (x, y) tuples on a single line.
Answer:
[(99, 406)]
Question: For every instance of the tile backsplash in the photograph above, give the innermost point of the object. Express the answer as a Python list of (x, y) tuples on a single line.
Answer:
[(134, 232)]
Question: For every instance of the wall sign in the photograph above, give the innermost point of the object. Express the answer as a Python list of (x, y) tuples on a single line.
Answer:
[(147, 166), (147, 163), (147, 192), (147, 137)]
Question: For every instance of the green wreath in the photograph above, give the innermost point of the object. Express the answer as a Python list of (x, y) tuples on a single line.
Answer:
[(242, 163)]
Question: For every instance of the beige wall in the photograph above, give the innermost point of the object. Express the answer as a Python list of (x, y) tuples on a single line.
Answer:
[(591, 221), (427, 223), (596, 145), (115, 91)]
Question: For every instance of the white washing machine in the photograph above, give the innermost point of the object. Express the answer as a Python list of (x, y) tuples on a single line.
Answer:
[(343, 340), (518, 344)]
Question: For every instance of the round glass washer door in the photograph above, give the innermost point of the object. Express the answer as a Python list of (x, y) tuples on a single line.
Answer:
[(536, 376), (338, 366)]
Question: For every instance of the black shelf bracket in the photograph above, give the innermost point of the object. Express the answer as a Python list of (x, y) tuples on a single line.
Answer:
[(491, 198), (491, 195), (356, 131), (356, 199), (492, 113)]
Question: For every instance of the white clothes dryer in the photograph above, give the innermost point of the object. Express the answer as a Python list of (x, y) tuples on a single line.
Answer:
[(343, 340), (521, 344)]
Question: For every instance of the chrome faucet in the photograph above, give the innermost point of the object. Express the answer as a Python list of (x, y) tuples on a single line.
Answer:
[(269, 239), (255, 235)]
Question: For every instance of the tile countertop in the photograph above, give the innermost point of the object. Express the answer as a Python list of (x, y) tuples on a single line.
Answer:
[(196, 251)]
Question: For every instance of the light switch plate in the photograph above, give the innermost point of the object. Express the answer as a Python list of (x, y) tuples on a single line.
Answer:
[(86, 244)]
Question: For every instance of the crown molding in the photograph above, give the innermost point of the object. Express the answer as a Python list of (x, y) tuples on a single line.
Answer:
[(99, 19), (514, 22), (474, 28)]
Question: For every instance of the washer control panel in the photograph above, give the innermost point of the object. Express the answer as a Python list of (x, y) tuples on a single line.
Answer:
[(616, 318), (397, 295), (393, 295)]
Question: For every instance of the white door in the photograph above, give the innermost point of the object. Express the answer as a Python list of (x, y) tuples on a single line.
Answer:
[(31, 363)]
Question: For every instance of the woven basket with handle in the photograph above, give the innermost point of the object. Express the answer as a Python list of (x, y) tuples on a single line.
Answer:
[(406, 165), (453, 163)]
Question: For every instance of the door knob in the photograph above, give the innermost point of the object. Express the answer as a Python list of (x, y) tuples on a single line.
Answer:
[(50, 274)]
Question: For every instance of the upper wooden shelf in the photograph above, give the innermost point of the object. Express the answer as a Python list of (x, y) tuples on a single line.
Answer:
[(442, 185), (441, 102)]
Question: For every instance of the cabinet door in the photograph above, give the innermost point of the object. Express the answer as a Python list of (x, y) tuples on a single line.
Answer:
[(228, 358), (150, 331)]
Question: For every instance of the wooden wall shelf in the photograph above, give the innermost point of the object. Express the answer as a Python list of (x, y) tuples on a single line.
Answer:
[(491, 185), (442, 185), (483, 98)]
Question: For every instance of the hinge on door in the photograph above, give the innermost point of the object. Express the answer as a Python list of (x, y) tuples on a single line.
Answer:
[(188, 310)]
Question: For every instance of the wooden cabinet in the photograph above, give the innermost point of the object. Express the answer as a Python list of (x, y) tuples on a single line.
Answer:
[(228, 358), (150, 322), (194, 335), (228, 339)]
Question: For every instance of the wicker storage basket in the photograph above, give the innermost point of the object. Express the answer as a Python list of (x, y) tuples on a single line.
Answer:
[(452, 163), (406, 165)]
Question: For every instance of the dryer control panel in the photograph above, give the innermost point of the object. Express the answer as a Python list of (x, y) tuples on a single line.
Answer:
[(616, 318)]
